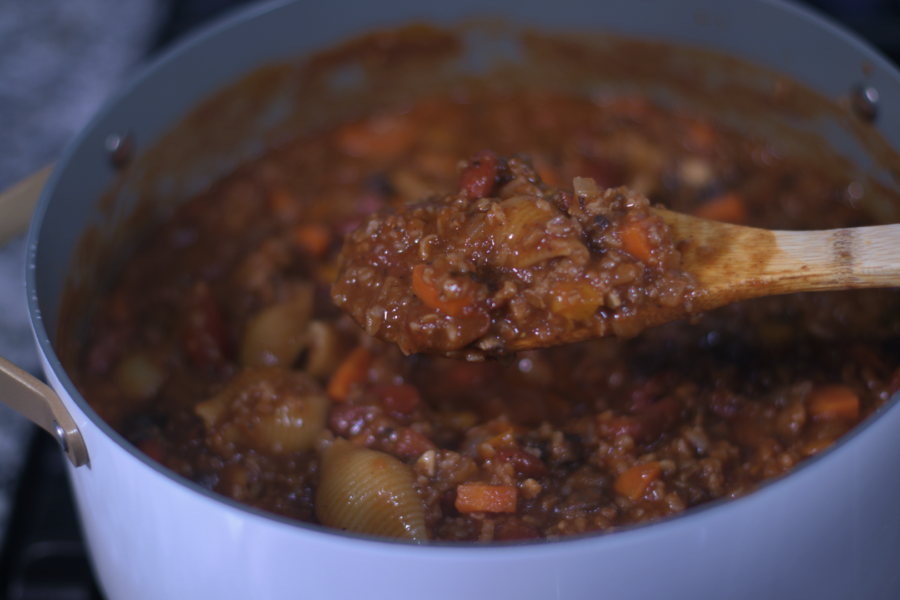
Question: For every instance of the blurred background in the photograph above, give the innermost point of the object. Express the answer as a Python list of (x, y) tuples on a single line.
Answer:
[(59, 62)]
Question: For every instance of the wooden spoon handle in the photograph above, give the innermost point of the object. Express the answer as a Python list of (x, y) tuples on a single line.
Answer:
[(732, 263), (862, 257), (18, 202)]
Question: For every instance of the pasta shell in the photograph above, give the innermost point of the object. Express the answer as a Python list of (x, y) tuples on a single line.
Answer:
[(325, 349), (277, 335), (292, 425), (371, 492), (138, 376), (267, 409), (523, 240)]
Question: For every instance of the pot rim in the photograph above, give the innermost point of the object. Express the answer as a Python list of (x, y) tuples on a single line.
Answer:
[(565, 545)]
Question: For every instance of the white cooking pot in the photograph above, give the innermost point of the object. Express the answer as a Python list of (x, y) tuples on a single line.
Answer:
[(829, 530)]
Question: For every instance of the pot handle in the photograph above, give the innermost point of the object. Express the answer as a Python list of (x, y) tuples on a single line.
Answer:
[(36, 401), (18, 202), (20, 391)]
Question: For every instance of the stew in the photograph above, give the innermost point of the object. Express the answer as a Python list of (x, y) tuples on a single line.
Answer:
[(468, 273), (220, 353)]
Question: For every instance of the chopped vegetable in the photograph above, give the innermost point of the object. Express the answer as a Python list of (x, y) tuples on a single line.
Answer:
[(832, 402), (352, 371), (432, 295), (635, 480), (505, 439), (283, 204), (635, 242), (312, 238), (701, 137), (577, 301), (383, 136), (482, 497), (727, 208), (814, 447), (523, 462)]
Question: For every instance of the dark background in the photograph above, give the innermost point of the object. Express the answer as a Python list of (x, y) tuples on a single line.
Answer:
[(42, 556), (878, 21)]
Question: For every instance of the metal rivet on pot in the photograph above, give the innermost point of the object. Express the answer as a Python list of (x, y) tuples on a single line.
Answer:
[(120, 148), (864, 102), (60, 435)]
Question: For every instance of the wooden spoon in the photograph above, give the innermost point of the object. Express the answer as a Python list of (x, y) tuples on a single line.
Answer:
[(503, 242), (733, 263)]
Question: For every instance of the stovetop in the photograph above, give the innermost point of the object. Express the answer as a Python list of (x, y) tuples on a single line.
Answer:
[(43, 556)]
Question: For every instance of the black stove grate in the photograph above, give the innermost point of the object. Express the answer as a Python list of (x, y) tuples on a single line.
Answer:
[(45, 557)]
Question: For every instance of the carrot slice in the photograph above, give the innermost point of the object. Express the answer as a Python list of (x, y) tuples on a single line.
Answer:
[(352, 371), (833, 402), (283, 204), (727, 208), (701, 137), (635, 480), (488, 449), (481, 497), (426, 288), (384, 136), (635, 242), (577, 301), (814, 447), (313, 239)]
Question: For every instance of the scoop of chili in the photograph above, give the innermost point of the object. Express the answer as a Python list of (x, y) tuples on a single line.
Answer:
[(505, 256)]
